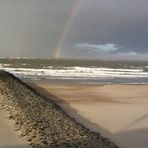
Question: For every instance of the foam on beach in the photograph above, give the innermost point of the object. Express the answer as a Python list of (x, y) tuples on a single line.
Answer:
[(42, 122)]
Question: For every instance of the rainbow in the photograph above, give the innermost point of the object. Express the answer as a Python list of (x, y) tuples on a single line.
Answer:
[(72, 15)]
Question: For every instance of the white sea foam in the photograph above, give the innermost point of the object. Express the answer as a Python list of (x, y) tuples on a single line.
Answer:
[(76, 73), (4, 65)]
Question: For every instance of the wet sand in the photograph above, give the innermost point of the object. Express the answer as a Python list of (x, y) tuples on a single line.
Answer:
[(119, 112)]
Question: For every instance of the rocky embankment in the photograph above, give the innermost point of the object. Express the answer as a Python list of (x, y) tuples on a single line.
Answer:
[(42, 122)]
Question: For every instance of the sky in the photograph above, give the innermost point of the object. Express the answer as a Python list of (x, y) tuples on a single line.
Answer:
[(84, 29)]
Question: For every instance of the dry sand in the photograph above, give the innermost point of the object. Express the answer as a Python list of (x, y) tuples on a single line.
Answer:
[(119, 112), (9, 138)]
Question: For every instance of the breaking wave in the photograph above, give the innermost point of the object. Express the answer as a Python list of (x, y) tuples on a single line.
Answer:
[(76, 72)]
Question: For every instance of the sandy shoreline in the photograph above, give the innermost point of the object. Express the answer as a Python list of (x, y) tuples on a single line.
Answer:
[(41, 121), (119, 112)]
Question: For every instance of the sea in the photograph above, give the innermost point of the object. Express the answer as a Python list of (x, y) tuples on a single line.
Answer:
[(77, 71)]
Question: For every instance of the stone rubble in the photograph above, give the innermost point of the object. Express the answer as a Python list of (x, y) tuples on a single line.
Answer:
[(42, 122)]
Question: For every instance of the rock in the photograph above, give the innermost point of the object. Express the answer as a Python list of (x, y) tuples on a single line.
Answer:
[(42, 122)]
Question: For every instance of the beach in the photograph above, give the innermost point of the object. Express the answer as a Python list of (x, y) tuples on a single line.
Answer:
[(119, 112), (41, 121), (107, 97)]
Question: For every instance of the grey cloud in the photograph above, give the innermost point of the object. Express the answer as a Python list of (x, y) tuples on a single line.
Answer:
[(99, 48), (33, 27), (122, 22)]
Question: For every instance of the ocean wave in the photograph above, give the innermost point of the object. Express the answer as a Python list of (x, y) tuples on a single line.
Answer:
[(76, 72)]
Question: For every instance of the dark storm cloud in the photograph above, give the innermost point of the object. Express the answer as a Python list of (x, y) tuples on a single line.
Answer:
[(122, 22), (33, 27)]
